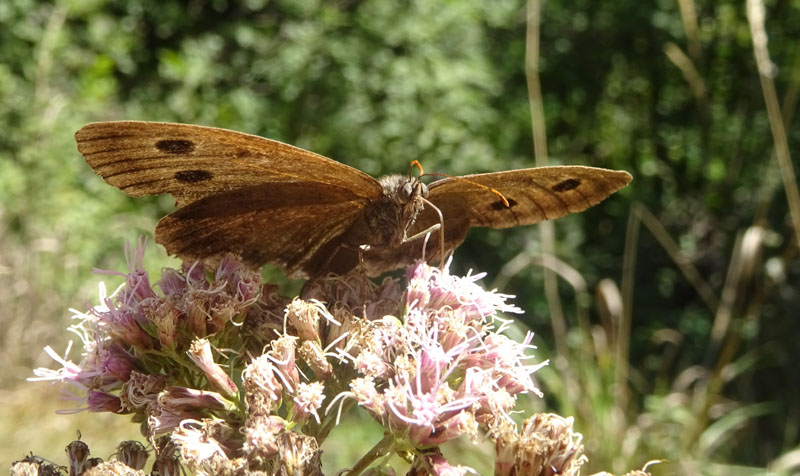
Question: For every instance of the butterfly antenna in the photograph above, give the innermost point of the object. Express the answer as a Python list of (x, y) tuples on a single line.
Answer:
[(479, 185), (415, 163)]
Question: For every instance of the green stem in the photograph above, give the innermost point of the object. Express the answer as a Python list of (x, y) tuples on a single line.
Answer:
[(380, 450)]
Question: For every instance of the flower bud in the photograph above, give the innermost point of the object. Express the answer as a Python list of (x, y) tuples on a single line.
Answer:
[(165, 317), (116, 361), (545, 446), (200, 354), (282, 356), (262, 387), (308, 399), (261, 434), (140, 390), (132, 453), (182, 399), (312, 354), (99, 401), (304, 317), (78, 457), (113, 468), (197, 312)]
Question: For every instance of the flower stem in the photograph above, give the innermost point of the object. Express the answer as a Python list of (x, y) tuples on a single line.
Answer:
[(380, 450)]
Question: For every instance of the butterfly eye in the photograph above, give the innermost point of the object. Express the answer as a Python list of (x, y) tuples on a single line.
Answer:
[(408, 190), (424, 190)]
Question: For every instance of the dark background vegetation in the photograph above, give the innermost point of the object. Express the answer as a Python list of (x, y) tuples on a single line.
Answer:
[(668, 90)]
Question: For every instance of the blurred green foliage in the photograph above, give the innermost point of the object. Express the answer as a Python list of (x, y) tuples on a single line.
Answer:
[(378, 83)]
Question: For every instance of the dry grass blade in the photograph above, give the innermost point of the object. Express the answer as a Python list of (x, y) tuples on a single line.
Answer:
[(624, 330), (512, 267), (689, 18), (640, 214), (767, 70), (540, 153), (681, 260), (571, 275), (788, 463), (609, 305), (743, 264), (684, 63)]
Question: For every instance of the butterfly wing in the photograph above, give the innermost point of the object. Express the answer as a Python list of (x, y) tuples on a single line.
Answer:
[(264, 200), (193, 162), (286, 224), (533, 195)]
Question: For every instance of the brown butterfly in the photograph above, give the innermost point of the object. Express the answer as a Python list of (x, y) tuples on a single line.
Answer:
[(270, 202)]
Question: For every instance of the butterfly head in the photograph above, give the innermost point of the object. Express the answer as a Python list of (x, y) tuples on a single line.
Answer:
[(403, 190), (411, 190)]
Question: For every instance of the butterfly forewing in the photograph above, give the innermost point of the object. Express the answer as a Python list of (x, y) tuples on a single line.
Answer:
[(192, 162), (533, 195)]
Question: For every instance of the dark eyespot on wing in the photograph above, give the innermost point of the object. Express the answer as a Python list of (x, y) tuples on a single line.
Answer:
[(193, 176), (175, 146), (499, 205), (566, 185)]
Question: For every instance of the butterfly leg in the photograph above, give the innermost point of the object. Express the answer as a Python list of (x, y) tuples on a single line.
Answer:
[(361, 250), (438, 226), (422, 233)]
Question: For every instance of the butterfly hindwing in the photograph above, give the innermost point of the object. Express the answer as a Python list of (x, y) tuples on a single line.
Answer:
[(282, 224)]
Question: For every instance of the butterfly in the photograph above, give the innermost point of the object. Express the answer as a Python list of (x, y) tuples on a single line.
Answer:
[(271, 202)]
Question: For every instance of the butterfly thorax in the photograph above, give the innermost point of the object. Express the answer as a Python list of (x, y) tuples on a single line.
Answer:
[(389, 217)]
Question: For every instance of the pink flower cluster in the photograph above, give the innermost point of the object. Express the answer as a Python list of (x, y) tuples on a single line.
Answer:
[(144, 350), (231, 378), (441, 371)]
